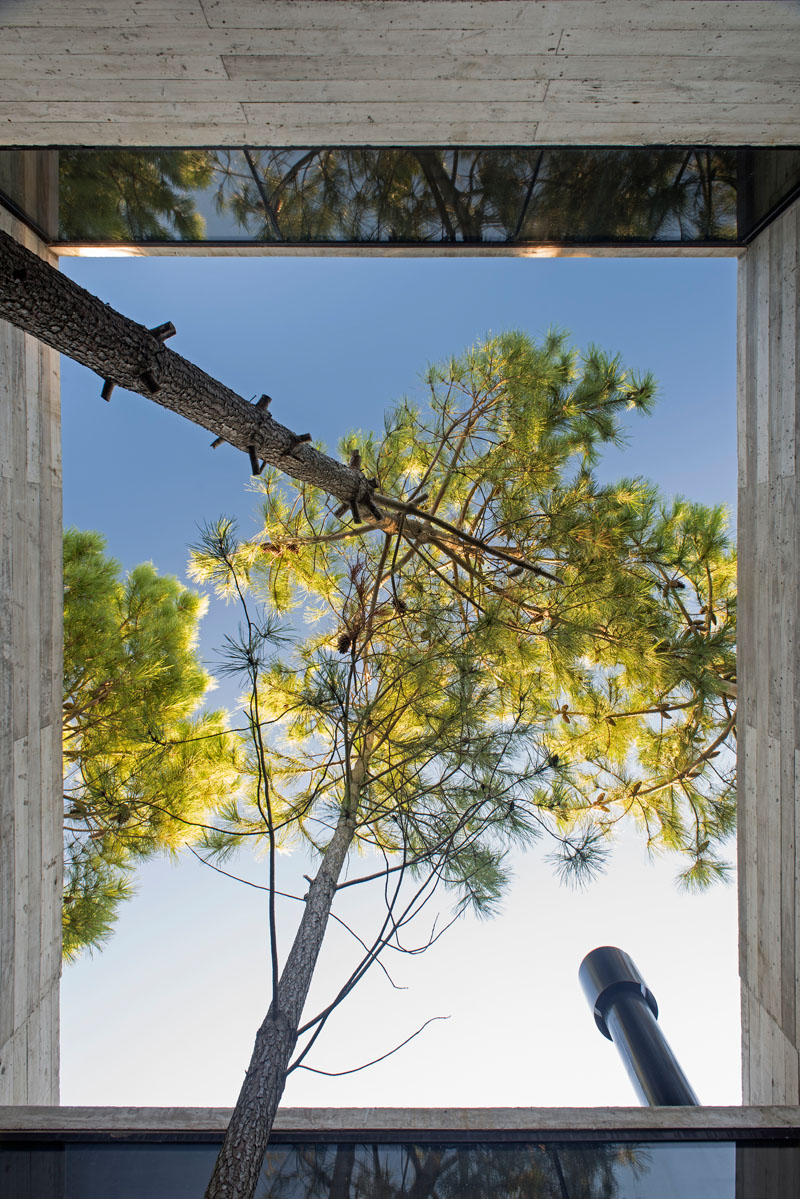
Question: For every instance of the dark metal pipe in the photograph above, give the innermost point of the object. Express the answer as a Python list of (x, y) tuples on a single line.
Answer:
[(625, 1011)]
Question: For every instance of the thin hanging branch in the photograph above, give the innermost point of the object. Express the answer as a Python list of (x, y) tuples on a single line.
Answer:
[(366, 1065), (237, 878)]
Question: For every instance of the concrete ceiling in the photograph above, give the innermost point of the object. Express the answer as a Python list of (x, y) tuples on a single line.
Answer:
[(382, 72)]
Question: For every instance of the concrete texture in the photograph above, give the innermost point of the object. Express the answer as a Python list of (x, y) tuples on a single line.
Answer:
[(769, 666), (473, 1120), (383, 72), (30, 700)]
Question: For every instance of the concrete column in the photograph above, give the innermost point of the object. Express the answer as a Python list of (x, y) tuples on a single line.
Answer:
[(769, 663), (30, 681)]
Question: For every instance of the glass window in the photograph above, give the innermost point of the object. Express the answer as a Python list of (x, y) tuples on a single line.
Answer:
[(556, 1169)]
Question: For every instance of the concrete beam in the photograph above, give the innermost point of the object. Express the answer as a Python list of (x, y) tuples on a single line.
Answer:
[(393, 72), (473, 1120)]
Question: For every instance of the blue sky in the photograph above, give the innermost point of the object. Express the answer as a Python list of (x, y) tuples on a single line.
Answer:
[(334, 341)]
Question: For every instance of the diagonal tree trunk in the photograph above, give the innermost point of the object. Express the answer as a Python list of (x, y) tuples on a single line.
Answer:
[(40, 300), (239, 1163)]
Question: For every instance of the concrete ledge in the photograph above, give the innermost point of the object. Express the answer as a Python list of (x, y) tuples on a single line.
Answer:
[(477, 1120), (462, 249)]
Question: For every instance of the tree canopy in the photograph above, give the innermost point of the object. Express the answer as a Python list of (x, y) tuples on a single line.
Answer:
[(142, 766), (604, 613), (515, 651)]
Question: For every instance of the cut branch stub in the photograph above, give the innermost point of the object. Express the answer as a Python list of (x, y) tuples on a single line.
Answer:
[(162, 332)]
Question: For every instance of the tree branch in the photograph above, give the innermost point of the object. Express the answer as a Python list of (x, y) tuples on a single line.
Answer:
[(45, 303), (338, 1073)]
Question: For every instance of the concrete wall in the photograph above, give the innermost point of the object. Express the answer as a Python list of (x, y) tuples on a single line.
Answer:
[(30, 698), (383, 72), (769, 663)]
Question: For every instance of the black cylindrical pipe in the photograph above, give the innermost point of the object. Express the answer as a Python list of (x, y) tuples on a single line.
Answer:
[(625, 1011)]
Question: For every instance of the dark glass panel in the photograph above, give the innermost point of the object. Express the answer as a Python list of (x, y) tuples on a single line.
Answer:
[(132, 1168), (135, 1169), (133, 195), (416, 196), (639, 194), (33, 1171), (767, 179), (413, 196)]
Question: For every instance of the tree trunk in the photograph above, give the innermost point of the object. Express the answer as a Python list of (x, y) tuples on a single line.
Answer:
[(40, 300), (342, 1177), (240, 1159), (444, 193)]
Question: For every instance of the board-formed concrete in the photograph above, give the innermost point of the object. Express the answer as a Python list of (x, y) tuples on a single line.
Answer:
[(471, 1120), (769, 663), (30, 693), (394, 72)]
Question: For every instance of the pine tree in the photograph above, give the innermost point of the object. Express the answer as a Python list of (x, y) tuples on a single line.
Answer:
[(131, 195), (142, 767), (515, 652)]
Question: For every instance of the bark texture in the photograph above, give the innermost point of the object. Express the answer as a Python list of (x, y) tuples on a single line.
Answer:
[(238, 1166), (40, 300)]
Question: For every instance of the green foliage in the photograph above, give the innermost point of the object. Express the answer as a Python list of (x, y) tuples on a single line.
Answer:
[(142, 767), (503, 649), (410, 732), (519, 650), (130, 195)]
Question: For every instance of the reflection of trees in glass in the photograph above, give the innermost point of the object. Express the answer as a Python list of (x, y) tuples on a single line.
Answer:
[(404, 195), (482, 195), (284, 195), (347, 195), (642, 194), (472, 1171), (132, 195), (432, 195)]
